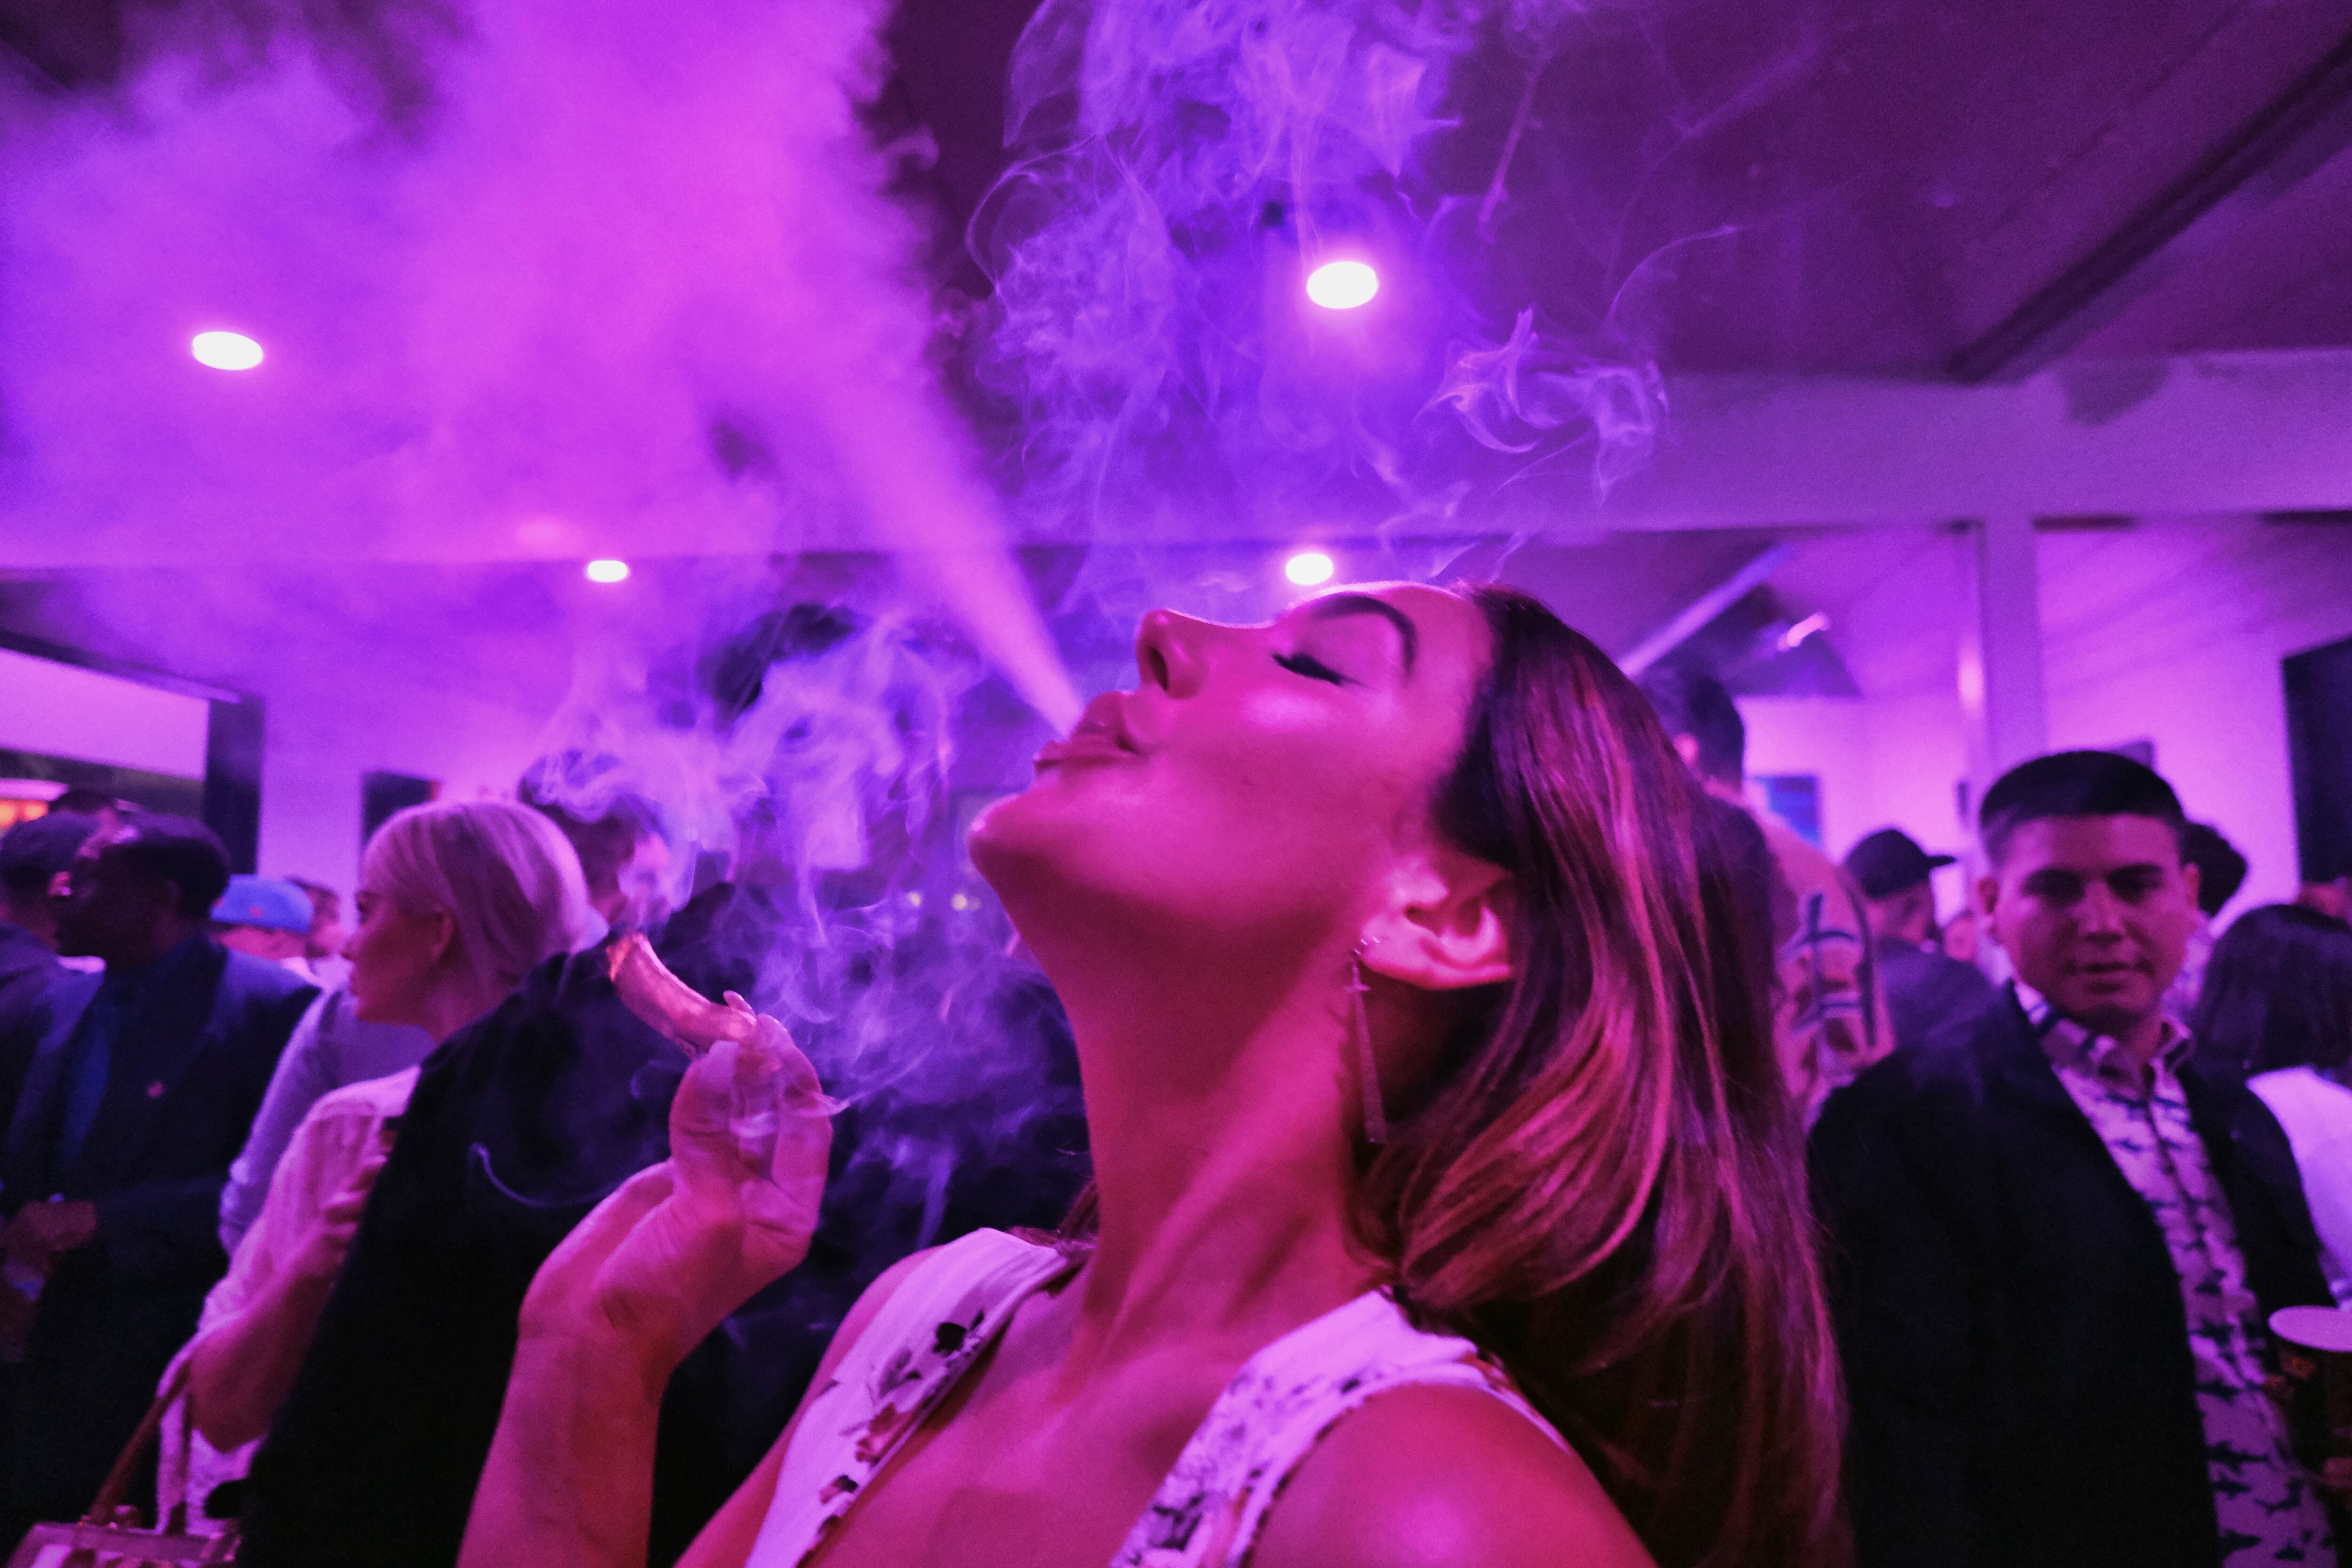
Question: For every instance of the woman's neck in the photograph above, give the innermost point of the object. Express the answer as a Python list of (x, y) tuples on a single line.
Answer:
[(1220, 1115), (450, 1007)]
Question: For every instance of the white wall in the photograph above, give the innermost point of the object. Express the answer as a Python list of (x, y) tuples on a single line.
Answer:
[(2173, 632), (1888, 762), (2170, 631), (319, 743)]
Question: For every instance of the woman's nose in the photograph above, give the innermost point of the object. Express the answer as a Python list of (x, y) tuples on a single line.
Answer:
[(1170, 652)]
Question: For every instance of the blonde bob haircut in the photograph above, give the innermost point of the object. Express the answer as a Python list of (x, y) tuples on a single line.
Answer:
[(505, 875)]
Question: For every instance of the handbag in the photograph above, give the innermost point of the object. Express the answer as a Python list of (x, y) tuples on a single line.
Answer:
[(112, 1533)]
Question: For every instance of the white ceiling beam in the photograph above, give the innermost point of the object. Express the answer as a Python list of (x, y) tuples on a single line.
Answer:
[(2224, 433), (1704, 608), (2210, 434)]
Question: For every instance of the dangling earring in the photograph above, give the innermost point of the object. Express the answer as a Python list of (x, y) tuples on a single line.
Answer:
[(1368, 1072)]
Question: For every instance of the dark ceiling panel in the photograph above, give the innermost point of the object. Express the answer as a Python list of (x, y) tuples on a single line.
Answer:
[(2281, 279), (1832, 184)]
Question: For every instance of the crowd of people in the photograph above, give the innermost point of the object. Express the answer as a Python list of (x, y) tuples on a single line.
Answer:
[(1500, 1143)]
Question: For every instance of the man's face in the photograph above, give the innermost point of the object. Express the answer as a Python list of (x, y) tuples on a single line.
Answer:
[(262, 941), (105, 909), (1908, 916), (2095, 912)]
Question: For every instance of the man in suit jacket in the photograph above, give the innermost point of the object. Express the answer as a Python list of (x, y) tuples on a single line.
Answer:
[(2057, 1236), (32, 854), (139, 1097)]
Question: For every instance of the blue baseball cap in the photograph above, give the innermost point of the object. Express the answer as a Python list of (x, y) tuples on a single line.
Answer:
[(265, 902)]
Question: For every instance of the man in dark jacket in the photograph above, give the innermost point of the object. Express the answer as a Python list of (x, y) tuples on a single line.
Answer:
[(135, 1102), (2056, 1235), (32, 856), (1925, 990)]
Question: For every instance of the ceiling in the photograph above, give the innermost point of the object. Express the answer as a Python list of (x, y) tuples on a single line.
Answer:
[(1860, 186), (1909, 188)]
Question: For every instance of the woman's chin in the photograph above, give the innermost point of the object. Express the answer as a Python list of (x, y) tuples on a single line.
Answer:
[(376, 1010), (1003, 835), (1025, 844)]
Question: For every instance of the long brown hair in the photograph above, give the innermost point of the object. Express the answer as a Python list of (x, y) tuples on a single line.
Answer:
[(1606, 1185)]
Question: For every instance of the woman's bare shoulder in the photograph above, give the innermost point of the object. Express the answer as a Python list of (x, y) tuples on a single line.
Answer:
[(1441, 1477), (727, 1541)]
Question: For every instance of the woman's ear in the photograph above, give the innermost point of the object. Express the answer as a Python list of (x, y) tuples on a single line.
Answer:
[(441, 934), (1447, 926)]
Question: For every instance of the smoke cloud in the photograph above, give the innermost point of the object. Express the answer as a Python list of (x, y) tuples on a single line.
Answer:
[(540, 280), (1183, 165)]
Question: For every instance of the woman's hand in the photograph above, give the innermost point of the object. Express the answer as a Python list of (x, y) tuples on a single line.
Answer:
[(663, 1260), (320, 1256)]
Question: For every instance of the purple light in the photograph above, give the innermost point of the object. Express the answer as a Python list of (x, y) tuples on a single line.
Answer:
[(608, 572), (226, 350), (1310, 568), (1342, 285)]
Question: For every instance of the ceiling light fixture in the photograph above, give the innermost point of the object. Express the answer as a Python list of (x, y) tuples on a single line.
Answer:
[(608, 570), (1342, 285), (226, 350), (1812, 626), (1310, 568)]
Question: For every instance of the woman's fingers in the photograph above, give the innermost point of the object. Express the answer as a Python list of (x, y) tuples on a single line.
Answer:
[(665, 1259), (734, 1103), (570, 1273), (345, 1207)]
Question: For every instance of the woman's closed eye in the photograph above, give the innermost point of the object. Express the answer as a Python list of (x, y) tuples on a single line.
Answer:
[(1307, 665)]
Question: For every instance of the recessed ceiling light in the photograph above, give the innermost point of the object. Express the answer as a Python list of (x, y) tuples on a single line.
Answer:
[(1342, 285), (1310, 568), (226, 350)]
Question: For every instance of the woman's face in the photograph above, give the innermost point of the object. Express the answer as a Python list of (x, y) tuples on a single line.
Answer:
[(396, 957), (1257, 778)]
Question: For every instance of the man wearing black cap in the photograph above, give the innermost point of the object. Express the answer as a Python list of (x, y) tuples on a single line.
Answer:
[(1925, 990)]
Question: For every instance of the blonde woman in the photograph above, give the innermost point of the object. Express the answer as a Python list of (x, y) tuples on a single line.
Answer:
[(458, 902)]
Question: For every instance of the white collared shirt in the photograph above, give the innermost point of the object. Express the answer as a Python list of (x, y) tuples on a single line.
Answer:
[(2316, 1111)]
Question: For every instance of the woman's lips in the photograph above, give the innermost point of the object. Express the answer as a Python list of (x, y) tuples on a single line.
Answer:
[(1087, 746), (1101, 736)]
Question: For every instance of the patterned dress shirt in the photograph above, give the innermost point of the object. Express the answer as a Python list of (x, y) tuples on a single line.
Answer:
[(2268, 1510)]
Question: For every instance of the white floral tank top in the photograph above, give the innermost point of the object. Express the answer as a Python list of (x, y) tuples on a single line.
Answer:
[(1209, 1510)]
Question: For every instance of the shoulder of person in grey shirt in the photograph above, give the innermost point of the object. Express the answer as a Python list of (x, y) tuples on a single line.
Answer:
[(329, 1047)]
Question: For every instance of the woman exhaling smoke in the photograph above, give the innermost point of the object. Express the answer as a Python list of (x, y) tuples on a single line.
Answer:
[(1450, 1209)]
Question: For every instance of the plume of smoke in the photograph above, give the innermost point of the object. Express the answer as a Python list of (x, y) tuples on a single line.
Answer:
[(540, 280), (779, 751), (1511, 398), (612, 278), (807, 758), (1184, 163)]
